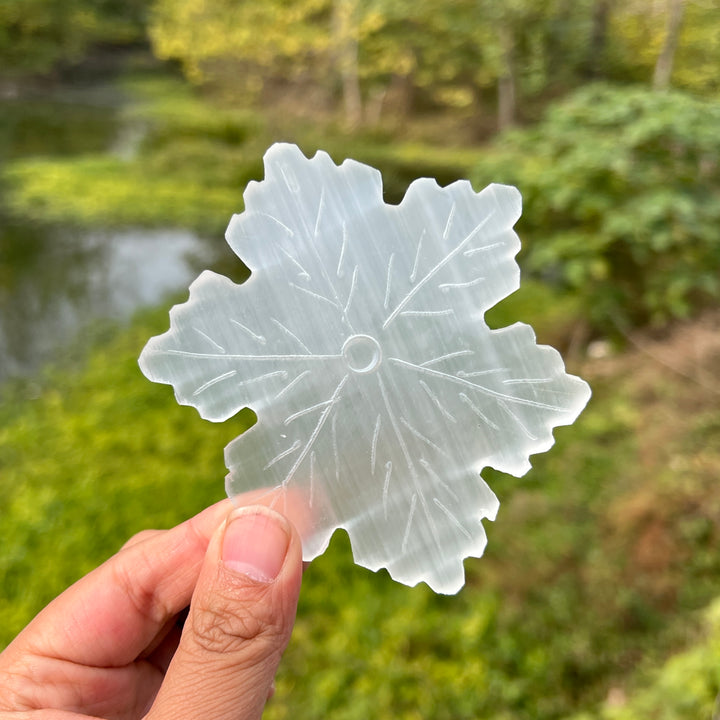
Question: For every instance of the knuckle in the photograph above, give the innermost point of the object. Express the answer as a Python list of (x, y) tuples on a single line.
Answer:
[(140, 537), (227, 628), (13, 684)]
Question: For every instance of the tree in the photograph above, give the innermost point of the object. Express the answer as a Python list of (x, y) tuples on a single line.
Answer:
[(247, 41), (345, 48), (36, 35), (597, 47), (363, 53), (676, 39), (621, 188), (664, 64)]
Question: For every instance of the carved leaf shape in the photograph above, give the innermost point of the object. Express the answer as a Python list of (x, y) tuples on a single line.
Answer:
[(359, 341)]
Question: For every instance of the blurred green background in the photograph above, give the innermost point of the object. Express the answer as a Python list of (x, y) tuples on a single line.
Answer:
[(128, 131)]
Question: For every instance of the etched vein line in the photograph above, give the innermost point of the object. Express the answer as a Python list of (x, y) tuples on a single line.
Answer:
[(519, 422), (216, 356), (452, 518), (343, 248), (291, 334), (353, 287), (292, 383), (447, 356), (386, 486), (459, 285), (554, 391), (260, 378), (410, 464), (306, 411), (528, 381), (427, 313), (449, 222), (336, 304), (280, 223), (438, 479), (436, 269), (386, 301), (323, 418), (413, 273), (406, 535), (436, 401), (480, 388), (258, 338), (464, 398), (321, 207), (303, 272), (290, 179), (421, 437), (283, 454), (210, 383), (393, 422), (315, 295), (431, 522), (474, 251), (220, 348), (273, 491), (373, 447), (480, 373)]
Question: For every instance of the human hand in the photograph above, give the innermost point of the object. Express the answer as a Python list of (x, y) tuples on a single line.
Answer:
[(112, 645)]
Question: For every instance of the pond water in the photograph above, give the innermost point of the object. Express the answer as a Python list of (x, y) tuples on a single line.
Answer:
[(54, 281)]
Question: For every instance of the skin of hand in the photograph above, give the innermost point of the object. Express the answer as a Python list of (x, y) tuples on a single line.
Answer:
[(114, 645)]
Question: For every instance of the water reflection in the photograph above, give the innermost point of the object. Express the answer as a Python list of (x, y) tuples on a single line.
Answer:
[(52, 283)]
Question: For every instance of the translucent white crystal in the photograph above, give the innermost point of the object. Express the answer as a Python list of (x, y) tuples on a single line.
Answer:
[(360, 343)]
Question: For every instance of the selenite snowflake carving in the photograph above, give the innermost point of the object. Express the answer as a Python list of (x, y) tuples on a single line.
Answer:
[(359, 341)]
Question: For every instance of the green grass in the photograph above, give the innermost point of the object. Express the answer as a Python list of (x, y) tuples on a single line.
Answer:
[(558, 611), (105, 192)]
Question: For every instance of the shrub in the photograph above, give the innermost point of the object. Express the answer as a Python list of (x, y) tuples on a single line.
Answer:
[(622, 200)]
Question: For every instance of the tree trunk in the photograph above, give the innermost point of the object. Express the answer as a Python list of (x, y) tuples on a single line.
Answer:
[(595, 58), (664, 64), (506, 82), (345, 40)]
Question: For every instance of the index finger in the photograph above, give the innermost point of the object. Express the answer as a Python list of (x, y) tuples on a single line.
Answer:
[(108, 617)]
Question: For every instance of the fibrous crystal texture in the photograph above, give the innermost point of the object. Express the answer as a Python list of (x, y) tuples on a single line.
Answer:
[(359, 341)]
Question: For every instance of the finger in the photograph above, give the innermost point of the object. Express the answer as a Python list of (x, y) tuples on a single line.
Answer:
[(111, 615), (240, 621), (142, 536), (163, 653), (164, 644)]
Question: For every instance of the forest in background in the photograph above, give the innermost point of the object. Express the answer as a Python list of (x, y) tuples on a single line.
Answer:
[(598, 595)]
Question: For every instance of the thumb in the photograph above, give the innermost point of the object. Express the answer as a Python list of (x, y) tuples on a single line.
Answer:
[(239, 624)]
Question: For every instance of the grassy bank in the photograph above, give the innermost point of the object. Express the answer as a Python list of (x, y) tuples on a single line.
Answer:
[(188, 159)]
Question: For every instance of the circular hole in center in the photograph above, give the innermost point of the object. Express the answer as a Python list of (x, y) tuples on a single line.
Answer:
[(362, 353)]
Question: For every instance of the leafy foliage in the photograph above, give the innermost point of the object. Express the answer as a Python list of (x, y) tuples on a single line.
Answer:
[(622, 195), (193, 158), (566, 596), (37, 34), (449, 54), (685, 686), (638, 31)]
